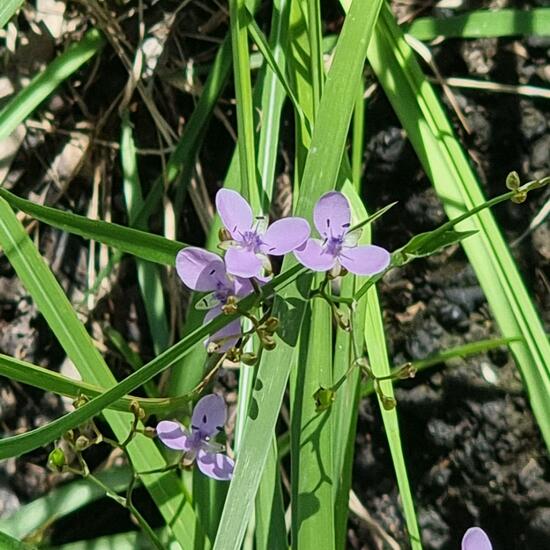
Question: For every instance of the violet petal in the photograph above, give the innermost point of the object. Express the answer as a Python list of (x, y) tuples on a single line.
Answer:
[(215, 465), (332, 214), (476, 539), (174, 436), (199, 269), (209, 415), (234, 212), (285, 235), (228, 336), (242, 262), (243, 286), (314, 256), (365, 260)]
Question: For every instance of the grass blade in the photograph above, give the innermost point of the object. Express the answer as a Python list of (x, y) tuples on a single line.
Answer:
[(483, 24), (148, 274), (323, 165), (153, 248), (7, 9), (41, 86), (61, 318), (39, 377), (62, 501), (420, 112), (311, 434)]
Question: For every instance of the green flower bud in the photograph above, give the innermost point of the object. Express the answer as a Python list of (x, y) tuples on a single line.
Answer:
[(136, 410), (56, 460), (406, 371), (249, 358), (388, 402), (268, 342), (519, 197), (271, 324), (513, 181), (324, 397)]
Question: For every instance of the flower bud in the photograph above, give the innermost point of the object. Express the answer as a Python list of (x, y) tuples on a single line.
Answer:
[(406, 371), (224, 235), (79, 401), (388, 402), (268, 342), (519, 197), (324, 397), (82, 443), (230, 306), (513, 181), (249, 358), (56, 460), (136, 410), (271, 324), (343, 321), (233, 354)]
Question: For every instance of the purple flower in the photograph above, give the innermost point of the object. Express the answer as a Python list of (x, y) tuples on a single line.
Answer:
[(208, 419), (251, 240), (332, 218), (476, 539), (205, 272)]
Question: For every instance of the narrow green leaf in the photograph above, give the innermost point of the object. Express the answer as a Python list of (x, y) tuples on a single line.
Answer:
[(148, 274), (483, 24), (39, 377), (26, 101), (238, 16), (7, 9), (9, 543), (61, 501), (446, 164), (471, 348), (153, 248), (320, 175), (311, 434), (378, 357), (426, 244), (57, 310)]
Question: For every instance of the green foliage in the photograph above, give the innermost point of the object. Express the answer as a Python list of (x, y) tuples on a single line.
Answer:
[(324, 342), (7, 9)]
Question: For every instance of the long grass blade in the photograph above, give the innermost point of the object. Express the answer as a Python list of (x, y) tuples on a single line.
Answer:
[(147, 246), (323, 165), (148, 274), (62, 501), (420, 112), (57, 310), (483, 24), (41, 86)]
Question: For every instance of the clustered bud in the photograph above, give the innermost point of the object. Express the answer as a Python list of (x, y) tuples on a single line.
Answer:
[(324, 398)]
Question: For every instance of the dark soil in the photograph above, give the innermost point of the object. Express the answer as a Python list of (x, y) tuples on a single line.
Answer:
[(474, 452)]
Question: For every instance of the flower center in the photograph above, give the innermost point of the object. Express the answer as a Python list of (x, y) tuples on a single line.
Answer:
[(251, 241), (333, 245), (222, 292)]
